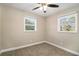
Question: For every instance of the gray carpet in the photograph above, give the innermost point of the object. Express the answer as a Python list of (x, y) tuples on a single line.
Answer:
[(43, 49)]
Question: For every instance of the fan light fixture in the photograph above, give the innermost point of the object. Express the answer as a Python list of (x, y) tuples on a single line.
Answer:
[(43, 6)]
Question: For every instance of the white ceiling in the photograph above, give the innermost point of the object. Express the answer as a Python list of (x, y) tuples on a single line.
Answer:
[(29, 6)]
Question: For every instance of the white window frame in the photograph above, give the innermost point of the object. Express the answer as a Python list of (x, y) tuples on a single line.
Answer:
[(33, 19), (71, 14)]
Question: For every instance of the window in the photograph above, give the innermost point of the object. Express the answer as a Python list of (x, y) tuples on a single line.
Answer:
[(29, 24), (68, 23)]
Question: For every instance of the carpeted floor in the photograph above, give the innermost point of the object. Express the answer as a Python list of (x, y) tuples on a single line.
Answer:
[(43, 49)]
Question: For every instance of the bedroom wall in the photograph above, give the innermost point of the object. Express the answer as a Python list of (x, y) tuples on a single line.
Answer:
[(66, 40), (13, 28)]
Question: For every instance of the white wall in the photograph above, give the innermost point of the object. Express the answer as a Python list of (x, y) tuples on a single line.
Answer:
[(67, 40), (13, 28)]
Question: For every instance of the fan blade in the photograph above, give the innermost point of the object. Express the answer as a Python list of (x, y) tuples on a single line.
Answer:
[(53, 5), (35, 8)]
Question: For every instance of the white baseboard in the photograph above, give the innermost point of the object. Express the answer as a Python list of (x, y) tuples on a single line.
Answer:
[(65, 49), (28, 45), (15, 48)]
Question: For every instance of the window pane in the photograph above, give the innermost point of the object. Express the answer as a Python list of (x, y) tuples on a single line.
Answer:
[(28, 21), (29, 27)]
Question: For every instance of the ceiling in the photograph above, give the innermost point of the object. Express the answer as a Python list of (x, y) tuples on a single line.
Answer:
[(29, 6)]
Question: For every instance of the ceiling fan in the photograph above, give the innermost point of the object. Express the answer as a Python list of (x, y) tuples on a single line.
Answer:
[(44, 6)]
